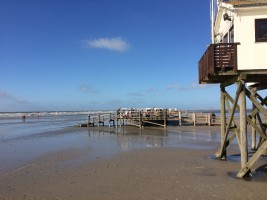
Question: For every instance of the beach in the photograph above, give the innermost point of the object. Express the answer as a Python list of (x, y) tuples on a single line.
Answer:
[(127, 163)]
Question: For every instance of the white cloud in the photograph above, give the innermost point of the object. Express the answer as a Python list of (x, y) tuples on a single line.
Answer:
[(115, 44)]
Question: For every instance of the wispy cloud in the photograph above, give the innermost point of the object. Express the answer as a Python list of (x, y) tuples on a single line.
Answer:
[(5, 96), (194, 85), (135, 94), (114, 44), (87, 89), (177, 87), (153, 90), (200, 86)]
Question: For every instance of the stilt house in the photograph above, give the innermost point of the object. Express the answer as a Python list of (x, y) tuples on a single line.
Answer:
[(238, 55)]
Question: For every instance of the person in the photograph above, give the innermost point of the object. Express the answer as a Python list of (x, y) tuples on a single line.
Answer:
[(23, 118), (213, 117)]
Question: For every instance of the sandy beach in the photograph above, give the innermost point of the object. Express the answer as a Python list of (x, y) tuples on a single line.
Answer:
[(163, 169)]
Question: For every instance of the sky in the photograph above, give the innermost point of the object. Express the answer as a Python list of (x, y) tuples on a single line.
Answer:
[(66, 55)]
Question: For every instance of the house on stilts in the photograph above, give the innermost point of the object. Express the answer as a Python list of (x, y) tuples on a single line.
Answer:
[(238, 56)]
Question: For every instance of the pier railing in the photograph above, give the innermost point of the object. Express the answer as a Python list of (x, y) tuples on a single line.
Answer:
[(219, 59), (141, 118)]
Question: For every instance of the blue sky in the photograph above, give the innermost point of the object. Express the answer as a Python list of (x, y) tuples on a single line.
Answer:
[(103, 54)]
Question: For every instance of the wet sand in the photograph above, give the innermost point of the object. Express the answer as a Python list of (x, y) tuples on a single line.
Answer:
[(154, 172)]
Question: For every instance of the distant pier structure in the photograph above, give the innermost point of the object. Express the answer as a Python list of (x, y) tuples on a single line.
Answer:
[(238, 56), (151, 117)]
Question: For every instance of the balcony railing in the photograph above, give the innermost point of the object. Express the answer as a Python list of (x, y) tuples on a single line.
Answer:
[(218, 60)]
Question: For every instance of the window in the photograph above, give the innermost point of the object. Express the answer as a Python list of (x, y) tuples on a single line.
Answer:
[(231, 33), (229, 36), (261, 30), (225, 38)]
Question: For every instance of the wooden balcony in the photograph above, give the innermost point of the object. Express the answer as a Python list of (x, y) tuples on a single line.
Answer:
[(218, 62)]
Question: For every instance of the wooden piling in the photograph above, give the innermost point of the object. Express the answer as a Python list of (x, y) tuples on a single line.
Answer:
[(194, 118), (180, 118), (253, 130), (243, 127), (223, 123), (165, 118)]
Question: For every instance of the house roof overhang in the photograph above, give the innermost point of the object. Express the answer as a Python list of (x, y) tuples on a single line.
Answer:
[(246, 3)]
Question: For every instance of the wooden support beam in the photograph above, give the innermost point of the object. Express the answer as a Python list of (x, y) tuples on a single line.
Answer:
[(247, 167), (219, 154), (232, 112), (253, 130), (248, 118), (255, 102), (229, 82), (222, 153), (243, 126), (165, 117)]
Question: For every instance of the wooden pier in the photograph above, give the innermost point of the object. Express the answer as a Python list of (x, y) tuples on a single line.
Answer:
[(162, 118)]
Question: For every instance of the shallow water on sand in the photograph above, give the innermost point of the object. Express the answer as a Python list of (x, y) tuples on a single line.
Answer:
[(22, 141)]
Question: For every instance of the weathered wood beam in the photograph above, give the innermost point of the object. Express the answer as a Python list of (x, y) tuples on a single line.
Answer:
[(222, 149), (245, 169), (222, 152), (229, 82), (234, 124), (232, 112), (255, 102), (248, 118), (243, 126)]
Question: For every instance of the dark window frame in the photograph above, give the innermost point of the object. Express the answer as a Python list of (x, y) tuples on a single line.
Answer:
[(258, 22)]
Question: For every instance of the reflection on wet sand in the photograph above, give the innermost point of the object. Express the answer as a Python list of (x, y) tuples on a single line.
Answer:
[(131, 137)]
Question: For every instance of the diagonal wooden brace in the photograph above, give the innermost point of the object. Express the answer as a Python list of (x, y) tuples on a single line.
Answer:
[(252, 161)]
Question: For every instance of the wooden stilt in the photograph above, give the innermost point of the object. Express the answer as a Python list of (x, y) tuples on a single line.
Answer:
[(194, 119), (180, 118), (223, 123), (165, 118), (243, 127), (253, 131), (140, 120), (98, 119)]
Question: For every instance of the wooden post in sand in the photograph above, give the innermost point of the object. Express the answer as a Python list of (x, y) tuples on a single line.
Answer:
[(140, 119), (194, 118), (165, 118), (243, 127), (88, 123), (223, 123), (180, 118), (253, 130)]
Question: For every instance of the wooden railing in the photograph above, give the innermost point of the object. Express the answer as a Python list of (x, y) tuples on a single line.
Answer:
[(217, 58)]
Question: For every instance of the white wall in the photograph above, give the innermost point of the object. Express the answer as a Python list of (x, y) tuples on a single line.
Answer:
[(251, 54)]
